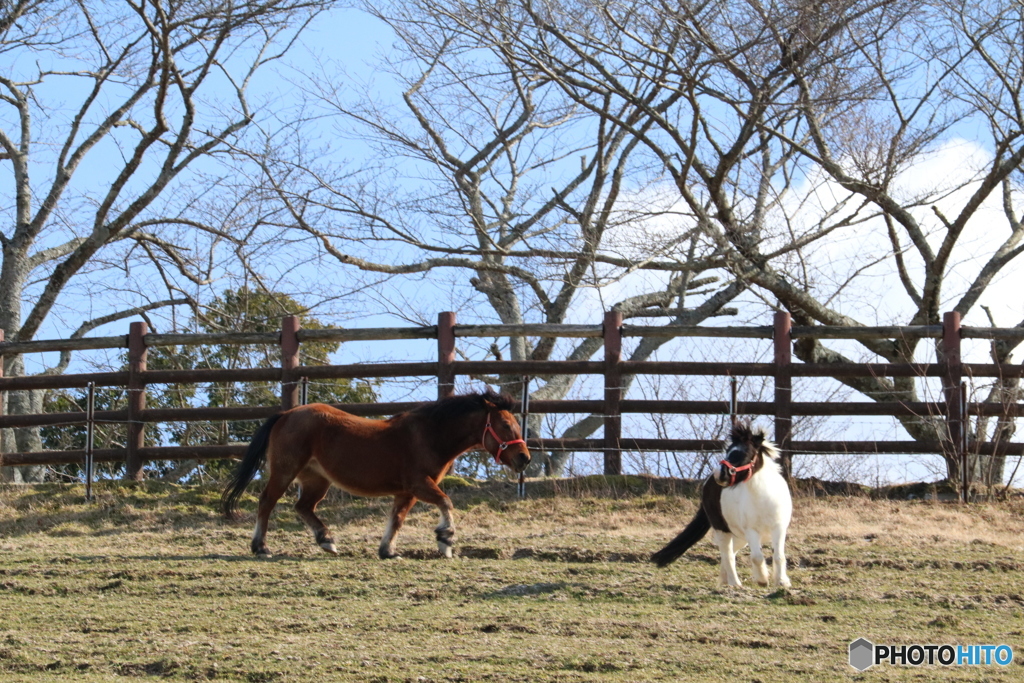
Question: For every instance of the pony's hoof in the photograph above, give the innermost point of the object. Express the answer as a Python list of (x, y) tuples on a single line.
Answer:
[(388, 555), (445, 550), (265, 555), (329, 548)]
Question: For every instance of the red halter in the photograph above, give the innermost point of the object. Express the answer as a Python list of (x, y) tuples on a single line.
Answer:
[(733, 471), (502, 445)]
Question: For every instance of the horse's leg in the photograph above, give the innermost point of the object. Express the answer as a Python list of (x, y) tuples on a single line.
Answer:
[(779, 575), (272, 492), (281, 469), (723, 577), (313, 489), (428, 492), (757, 566), (403, 503), (727, 574)]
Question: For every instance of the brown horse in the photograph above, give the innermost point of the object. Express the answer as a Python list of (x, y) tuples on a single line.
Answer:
[(405, 457)]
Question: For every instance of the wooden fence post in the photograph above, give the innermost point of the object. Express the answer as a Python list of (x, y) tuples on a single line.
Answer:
[(445, 354), (612, 392), (783, 343), (289, 361), (952, 376), (137, 355)]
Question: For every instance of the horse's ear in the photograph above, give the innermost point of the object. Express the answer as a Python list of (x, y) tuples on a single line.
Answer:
[(764, 444), (492, 399), (740, 431)]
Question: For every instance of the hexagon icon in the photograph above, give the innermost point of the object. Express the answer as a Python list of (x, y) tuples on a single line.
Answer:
[(862, 654)]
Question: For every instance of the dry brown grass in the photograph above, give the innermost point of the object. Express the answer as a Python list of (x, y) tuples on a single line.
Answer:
[(911, 522), (148, 582)]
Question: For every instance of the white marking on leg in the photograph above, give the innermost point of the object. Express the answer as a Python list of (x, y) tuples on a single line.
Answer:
[(446, 524), (757, 565), (723, 578), (779, 557), (728, 555), (259, 532), (387, 543)]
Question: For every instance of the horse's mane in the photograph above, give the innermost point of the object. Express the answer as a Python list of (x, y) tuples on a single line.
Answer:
[(457, 406), (744, 432)]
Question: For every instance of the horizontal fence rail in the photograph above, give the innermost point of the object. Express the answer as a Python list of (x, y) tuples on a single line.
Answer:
[(534, 330), (613, 404), (531, 368), (563, 407)]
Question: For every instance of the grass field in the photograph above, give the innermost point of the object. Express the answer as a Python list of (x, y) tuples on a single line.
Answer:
[(149, 582)]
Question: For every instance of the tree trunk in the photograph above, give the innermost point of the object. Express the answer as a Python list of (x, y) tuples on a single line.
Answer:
[(26, 439)]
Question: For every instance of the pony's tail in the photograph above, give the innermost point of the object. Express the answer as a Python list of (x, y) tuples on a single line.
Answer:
[(687, 538), (254, 458)]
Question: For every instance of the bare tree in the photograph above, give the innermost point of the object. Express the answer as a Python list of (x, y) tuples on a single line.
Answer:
[(486, 169), (942, 71), (789, 127), (112, 116)]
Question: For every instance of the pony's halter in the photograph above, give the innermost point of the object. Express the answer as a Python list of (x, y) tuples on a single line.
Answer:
[(735, 471), (502, 445)]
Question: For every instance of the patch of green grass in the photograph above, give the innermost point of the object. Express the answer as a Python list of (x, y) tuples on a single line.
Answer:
[(149, 582), (452, 482)]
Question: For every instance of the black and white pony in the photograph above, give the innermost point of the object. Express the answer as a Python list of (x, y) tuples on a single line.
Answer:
[(744, 500)]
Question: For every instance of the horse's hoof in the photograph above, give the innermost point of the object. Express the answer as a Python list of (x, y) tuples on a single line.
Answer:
[(445, 550), (329, 548), (265, 555), (388, 555)]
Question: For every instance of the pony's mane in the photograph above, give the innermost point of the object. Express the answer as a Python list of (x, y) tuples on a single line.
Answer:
[(457, 406), (744, 432)]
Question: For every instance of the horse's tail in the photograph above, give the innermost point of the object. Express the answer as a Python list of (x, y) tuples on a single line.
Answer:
[(687, 538), (254, 458)]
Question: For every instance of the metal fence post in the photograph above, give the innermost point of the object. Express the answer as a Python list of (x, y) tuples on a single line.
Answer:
[(2, 395), (733, 401), (445, 354), (783, 343), (289, 361), (952, 377), (137, 355), (612, 392), (524, 405), (90, 432)]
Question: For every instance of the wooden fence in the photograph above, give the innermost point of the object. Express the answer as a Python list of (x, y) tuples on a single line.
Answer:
[(954, 407)]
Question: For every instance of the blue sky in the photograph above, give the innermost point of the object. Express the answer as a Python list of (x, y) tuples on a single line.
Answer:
[(354, 42)]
